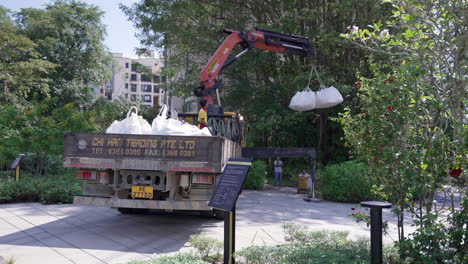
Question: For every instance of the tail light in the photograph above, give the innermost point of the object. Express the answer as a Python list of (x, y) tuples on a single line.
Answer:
[(86, 175), (202, 179)]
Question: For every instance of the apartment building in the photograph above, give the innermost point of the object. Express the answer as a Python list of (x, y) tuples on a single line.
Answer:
[(137, 80)]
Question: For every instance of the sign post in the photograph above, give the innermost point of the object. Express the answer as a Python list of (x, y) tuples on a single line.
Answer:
[(225, 196), (376, 228), (16, 165)]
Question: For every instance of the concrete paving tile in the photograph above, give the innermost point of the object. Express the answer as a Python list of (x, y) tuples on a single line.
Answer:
[(59, 227), (35, 254), (19, 241), (92, 242), (73, 254), (16, 221)]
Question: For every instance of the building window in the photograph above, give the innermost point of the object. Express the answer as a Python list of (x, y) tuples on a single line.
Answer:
[(133, 97), (133, 87), (102, 91), (134, 77), (146, 78), (126, 65), (126, 96), (126, 86), (156, 89), (146, 98), (126, 75), (146, 88)]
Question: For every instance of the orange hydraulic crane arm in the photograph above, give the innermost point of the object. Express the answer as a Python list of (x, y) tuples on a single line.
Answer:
[(258, 38)]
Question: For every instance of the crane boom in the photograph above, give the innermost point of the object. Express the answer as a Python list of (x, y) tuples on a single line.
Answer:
[(258, 38)]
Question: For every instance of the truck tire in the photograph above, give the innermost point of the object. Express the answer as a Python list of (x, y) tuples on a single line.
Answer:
[(132, 210), (124, 210), (215, 213), (219, 214)]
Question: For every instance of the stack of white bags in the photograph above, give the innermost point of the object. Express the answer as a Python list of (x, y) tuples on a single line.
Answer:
[(162, 125), (307, 99)]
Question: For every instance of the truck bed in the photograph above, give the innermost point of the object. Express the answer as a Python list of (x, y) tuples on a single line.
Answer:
[(148, 152)]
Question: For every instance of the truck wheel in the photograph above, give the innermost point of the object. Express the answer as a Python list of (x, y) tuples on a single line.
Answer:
[(140, 211), (207, 214), (132, 210), (124, 210), (219, 214)]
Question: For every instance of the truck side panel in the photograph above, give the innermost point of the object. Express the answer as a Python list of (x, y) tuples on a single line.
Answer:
[(147, 152)]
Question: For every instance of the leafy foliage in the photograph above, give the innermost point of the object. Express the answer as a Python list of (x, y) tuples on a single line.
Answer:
[(208, 248), (46, 189), (257, 175), (180, 258), (23, 73), (409, 126), (261, 83), (346, 182), (39, 128), (438, 241), (69, 34), (304, 246)]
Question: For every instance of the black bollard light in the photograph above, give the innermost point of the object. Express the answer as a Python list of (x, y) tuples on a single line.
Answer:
[(376, 229)]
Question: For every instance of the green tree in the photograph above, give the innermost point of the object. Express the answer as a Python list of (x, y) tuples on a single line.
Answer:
[(39, 128), (23, 72), (70, 34), (410, 124), (261, 84)]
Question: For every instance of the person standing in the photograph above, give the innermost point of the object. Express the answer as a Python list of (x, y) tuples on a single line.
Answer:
[(278, 171), (202, 115)]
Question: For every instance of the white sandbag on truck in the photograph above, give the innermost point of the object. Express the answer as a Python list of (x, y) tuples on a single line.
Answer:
[(133, 124), (303, 100), (162, 125), (327, 97)]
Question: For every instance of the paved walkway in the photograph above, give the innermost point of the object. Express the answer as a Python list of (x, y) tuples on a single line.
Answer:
[(36, 233)]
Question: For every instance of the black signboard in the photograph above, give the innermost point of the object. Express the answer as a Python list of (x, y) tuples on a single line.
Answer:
[(230, 184), (17, 161)]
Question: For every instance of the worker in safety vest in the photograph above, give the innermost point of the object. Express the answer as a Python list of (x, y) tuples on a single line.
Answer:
[(202, 115)]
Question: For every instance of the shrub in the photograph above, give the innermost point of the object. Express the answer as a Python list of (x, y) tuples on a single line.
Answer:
[(345, 182), (45, 189), (180, 258), (261, 254), (438, 240), (257, 176), (209, 248), (304, 247), (50, 164)]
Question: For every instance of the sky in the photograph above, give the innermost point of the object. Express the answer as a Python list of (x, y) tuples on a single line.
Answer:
[(120, 32)]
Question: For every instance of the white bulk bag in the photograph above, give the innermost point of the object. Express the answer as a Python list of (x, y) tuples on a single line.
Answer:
[(328, 97), (303, 100), (133, 124), (162, 125), (159, 125)]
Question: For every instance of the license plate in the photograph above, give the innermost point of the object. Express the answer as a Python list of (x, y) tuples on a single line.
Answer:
[(142, 192)]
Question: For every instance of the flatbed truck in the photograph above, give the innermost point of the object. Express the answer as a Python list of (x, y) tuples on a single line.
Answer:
[(135, 172)]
